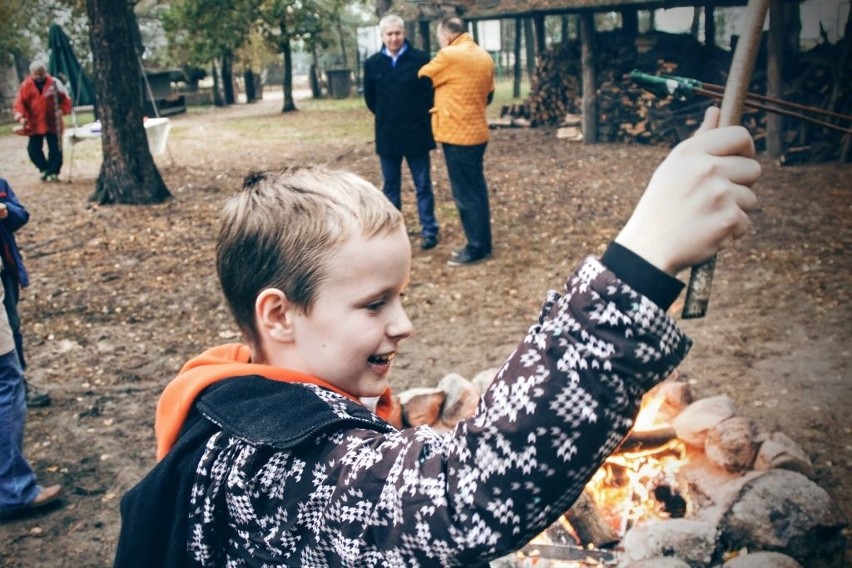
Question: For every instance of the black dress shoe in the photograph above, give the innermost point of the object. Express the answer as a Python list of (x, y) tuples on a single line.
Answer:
[(429, 242), (464, 257)]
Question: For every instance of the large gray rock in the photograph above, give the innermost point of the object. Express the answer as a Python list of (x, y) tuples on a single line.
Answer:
[(732, 443), (780, 452), (762, 560), (783, 511), (696, 420), (693, 542)]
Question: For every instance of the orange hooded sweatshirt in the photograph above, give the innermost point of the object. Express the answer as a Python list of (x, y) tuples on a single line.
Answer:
[(217, 364)]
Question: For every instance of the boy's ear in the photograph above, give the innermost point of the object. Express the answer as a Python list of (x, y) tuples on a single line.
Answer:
[(274, 315)]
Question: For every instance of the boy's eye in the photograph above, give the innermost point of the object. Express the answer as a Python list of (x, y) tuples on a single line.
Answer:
[(375, 306)]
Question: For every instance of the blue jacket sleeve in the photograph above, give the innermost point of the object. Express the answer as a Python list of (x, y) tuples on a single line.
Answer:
[(18, 215)]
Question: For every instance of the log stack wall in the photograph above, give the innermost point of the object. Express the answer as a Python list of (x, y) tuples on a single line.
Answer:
[(627, 113)]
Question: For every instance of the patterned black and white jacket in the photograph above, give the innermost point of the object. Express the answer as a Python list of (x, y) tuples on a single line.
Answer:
[(277, 474)]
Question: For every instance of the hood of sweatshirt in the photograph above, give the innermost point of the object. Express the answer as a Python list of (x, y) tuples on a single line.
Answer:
[(217, 364)]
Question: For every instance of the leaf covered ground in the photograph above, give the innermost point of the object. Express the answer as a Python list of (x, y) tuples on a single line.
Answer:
[(121, 296)]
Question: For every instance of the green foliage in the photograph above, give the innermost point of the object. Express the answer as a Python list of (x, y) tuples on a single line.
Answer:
[(202, 30), (313, 23), (284, 21), (24, 25)]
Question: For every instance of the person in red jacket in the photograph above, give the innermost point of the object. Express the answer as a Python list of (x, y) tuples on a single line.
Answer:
[(39, 106)]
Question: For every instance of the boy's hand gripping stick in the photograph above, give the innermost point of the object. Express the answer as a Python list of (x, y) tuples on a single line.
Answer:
[(736, 89)]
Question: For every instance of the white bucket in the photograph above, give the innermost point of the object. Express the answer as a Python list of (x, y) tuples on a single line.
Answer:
[(157, 130)]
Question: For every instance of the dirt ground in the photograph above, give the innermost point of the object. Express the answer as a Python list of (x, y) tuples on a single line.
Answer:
[(122, 295)]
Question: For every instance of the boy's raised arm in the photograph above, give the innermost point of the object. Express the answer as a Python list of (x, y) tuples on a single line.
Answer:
[(697, 200)]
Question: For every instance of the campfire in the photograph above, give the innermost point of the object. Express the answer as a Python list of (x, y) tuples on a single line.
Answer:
[(693, 485)]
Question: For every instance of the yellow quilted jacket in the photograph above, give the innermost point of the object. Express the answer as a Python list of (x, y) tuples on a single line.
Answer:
[(463, 76)]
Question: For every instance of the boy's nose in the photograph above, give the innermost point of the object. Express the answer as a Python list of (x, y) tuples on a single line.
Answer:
[(400, 326)]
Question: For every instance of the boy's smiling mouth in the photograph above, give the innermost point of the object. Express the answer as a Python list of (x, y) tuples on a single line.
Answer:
[(384, 359)]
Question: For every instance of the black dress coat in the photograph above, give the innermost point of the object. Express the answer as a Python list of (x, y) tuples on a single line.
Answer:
[(401, 102)]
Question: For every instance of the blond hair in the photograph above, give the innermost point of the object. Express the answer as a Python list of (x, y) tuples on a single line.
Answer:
[(284, 227)]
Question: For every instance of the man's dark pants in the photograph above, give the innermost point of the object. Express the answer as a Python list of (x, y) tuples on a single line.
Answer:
[(419, 167), (35, 148), (467, 177)]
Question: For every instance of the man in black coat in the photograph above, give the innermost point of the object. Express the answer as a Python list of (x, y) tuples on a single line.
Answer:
[(401, 102)]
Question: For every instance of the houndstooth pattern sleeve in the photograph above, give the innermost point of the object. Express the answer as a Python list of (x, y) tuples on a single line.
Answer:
[(561, 403)]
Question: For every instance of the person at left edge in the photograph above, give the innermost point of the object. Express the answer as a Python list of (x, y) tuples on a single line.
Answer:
[(401, 102), (39, 105)]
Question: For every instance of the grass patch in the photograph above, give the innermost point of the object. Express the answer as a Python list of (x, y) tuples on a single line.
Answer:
[(503, 96), (344, 120)]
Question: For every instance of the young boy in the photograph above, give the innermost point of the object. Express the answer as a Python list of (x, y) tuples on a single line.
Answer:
[(268, 457)]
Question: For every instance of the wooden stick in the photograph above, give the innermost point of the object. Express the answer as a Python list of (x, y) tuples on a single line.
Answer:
[(770, 108), (639, 440), (701, 279), (779, 102)]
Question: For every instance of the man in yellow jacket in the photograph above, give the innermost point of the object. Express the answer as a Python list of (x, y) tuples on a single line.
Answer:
[(462, 74)]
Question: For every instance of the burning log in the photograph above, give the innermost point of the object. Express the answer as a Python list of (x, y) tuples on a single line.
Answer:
[(589, 522), (639, 440)]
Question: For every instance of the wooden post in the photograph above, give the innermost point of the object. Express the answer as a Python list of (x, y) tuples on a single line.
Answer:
[(709, 26), (775, 78), (425, 36), (516, 68), (529, 43), (590, 103), (540, 39), (630, 23)]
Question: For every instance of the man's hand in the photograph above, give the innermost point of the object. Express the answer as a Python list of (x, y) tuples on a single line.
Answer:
[(4, 211), (697, 200)]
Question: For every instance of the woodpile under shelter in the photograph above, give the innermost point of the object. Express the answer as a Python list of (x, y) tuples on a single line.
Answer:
[(617, 109)]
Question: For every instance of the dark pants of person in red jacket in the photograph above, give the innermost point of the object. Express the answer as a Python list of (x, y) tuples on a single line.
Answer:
[(53, 163)]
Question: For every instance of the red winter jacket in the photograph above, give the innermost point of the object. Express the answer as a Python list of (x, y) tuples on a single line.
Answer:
[(39, 108)]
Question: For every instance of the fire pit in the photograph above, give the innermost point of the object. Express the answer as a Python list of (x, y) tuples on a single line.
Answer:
[(694, 485)]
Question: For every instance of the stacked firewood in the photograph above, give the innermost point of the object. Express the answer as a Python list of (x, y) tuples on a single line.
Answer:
[(627, 113)]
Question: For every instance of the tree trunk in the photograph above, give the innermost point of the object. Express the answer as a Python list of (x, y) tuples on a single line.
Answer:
[(383, 7), (218, 90), (316, 90), (289, 103), (341, 37), (128, 174), (9, 80), (248, 79), (228, 78)]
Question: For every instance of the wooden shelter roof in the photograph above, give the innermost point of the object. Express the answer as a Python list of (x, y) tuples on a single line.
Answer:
[(491, 9)]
